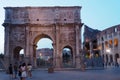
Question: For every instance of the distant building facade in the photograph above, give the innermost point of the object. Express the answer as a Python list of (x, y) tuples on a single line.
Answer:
[(92, 57), (44, 53), (44, 57), (109, 45)]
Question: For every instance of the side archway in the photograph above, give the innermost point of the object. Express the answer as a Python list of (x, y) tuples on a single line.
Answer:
[(17, 55), (67, 57)]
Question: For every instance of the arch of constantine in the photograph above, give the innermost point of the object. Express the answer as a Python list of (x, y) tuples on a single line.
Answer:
[(25, 26)]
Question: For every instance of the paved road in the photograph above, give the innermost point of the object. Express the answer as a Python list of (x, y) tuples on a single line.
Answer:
[(106, 74)]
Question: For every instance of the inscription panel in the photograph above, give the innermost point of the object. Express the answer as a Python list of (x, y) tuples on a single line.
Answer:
[(42, 15)]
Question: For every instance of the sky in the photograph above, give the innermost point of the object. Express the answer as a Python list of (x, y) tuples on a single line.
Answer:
[(97, 14)]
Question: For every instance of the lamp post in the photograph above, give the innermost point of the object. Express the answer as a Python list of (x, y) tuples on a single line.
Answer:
[(108, 50), (40, 55)]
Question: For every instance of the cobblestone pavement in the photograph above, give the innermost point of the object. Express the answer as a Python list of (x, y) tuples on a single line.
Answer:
[(106, 74)]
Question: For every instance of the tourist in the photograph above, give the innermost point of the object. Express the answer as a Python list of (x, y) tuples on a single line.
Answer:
[(11, 71), (23, 70), (29, 69), (19, 72), (15, 70)]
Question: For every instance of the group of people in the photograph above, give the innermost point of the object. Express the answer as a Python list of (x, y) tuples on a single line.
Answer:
[(21, 70)]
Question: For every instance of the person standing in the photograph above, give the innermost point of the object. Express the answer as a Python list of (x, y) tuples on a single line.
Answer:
[(29, 69), (19, 72), (24, 73), (15, 70), (11, 71)]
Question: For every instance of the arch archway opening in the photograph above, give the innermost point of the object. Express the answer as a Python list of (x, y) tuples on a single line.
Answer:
[(116, 59), (116, 56), (116, 42), (106, 59), (44, 52), (67, 57), (18, 54), (106, 44), (111, 60)]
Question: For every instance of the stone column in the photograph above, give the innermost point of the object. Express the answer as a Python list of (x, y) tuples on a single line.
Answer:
[(113, 50), (57, 50), (77, 30), (30, 47), (54, 55), (31, 58), (91, 47), (27, 44), (6, 46), (34, 56)]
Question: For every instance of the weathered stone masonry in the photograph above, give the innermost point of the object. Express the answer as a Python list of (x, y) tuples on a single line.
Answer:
[(24, 26)]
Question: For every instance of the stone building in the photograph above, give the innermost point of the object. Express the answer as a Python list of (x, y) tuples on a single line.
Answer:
[(25, 26), (109, 45), (44, 56), (46, 53), (92, 56)]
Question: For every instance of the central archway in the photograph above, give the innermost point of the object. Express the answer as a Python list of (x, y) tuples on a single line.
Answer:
[(44, 52), (43, 56)]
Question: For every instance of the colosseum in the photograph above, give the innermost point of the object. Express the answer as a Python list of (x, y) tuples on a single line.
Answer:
[(109, 45)]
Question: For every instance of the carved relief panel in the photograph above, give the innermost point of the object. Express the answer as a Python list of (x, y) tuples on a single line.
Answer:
[(17, 34), (67, 34)]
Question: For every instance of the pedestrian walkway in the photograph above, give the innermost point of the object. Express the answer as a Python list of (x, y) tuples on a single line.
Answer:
[(106, 74)]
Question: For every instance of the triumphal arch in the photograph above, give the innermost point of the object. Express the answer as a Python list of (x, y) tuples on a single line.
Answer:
[(24, 26)]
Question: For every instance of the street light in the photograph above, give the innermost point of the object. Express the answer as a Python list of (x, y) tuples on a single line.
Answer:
[(40, 55), (108, 50)]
